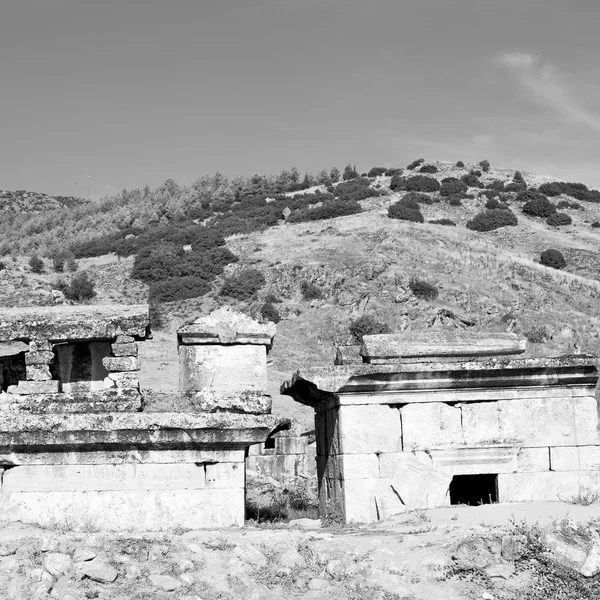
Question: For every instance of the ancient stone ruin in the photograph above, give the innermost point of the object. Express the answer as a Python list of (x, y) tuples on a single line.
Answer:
[(435, 419), (78, 443)]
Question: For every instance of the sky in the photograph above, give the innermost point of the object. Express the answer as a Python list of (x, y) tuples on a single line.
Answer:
[(132, 92)]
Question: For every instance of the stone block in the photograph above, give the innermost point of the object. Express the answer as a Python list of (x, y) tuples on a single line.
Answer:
[(430, 425), (39, 358), (368, 429), (124, 339), (476, 461), (147, 510), (249, 402), (125, 379), (359, 466), (38, 373), (35, 387), (421, 485), (533, 459), (39, 345), (359, 500), (121, 363), (551, 486), (130, 349), (575, 458), (225, 370), (481, 423)]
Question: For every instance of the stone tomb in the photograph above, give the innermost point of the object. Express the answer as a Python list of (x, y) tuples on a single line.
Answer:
[(77, 447), (440, 419)]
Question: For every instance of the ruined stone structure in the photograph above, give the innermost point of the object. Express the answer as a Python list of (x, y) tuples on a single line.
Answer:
[(437, 419), (77, 445)]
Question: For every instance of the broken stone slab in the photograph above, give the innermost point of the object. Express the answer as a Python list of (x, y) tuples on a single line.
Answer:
[(12, 348), (249, 402), (38, 372), (42, 357), (121, 363), (130, 349), (34, 387), (225, 326), (421, 485), (124, 379), (61, 323), (385, 348), (575, 546)]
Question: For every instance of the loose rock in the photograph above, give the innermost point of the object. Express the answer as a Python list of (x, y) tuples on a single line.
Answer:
[(100, 571), (164, 582)]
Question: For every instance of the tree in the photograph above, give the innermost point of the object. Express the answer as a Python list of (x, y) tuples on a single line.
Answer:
[(81, 288), (349, 172), (334, 175), (36, 264), (323, 177)]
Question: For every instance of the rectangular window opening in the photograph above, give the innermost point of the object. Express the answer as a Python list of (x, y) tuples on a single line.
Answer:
[(474, 490)]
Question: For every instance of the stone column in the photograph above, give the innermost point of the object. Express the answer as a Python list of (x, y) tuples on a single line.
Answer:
[(37, 368), (223, 362)]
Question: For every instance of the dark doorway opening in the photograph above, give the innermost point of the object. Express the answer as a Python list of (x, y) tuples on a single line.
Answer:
[(270, 443), (12, 370), (474, 490)]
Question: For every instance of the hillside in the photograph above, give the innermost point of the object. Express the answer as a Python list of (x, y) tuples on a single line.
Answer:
[(363, 264), (22, 201)]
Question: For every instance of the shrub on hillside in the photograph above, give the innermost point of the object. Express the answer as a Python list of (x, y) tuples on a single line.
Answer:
[(415, 163), (422, 183), (451, 186), (579, 191), (367, 325), (471, 179), (357, 189), (272, 298), (80, 289), (492, 219), (419, 198), (443, 222), (537, 335), (515, 187), (243, 285), (36, 264), (460, 164), (539, 207), (455, 199), (596, 224), (566, 204), (59, 259), (329, 210), (269, 313), (310, 291), (553, 258), (71, 265), (349, 172), (393, 171), (405, 212), (527, 195), (423, 289), (398, 183), (375, 171), (485, 165), (559, 219), (497, 185), (493, 204), (518, 178), (428, 169), (177, 288)]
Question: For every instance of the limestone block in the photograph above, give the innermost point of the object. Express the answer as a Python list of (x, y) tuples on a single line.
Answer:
[(387, 502), (125, 339), (574, 458), (368, 429), (476, 461), (359, 466), (550, 486), (481, 423), (121, 363), (359, 500), (293, 445), (125, 379), (223, 370), (430, 424), (35, 387), (64, 478), (148, 510), (533, 459), (250, 402), (130, 349), (390, 462), (421, 485), (38, 373), (39, 358), (39, 345)]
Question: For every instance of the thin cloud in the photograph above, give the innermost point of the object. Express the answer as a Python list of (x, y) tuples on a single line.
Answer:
[(547, 85)]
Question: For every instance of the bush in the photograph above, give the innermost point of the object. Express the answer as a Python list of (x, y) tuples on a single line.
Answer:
[(455, 200), (272, 298), (177, 288), (59, 259), (565, 204), (36, 264), (329, 210), (518, 178), (81, 288), (537, 335), (553, 258), (405, 212), (310, 291), (375, 171), (269, 313), (596, 224), (367, 325), (451, 186), (349, 172), (398, 183), (496, 185), (422, 183), (485, 165), (393, 171), (423, 289), (471, 179), (71, 265), (515, 187), (493, 204), (492, 219), (428, 169), (558, 219), (415, 163), (539, 207), (357, 189), (443, 222), (244, 285), (419, 198), (460, 164), (553, 188)]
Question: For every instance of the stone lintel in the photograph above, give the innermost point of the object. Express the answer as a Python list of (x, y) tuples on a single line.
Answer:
[(130, 349), (121, 363), (72, 323), (144, 431), (384, 348), (248, 402), (35, 387), (225, 326)]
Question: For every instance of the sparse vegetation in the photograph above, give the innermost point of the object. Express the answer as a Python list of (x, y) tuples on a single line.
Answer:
[(428, 169), (423, 289), (80, 289), (415, 163), (243, 285), (443, 222), (36, 264), (269, 313), (310, 291), (367, 325)]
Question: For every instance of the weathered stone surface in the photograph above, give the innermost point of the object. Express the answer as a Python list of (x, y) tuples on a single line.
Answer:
[(99, 570), (575, 546), (420, 485), (83, 555), (561, 486), (124, 339), (477, 552), (40, 345), (121, 363), (125, 379), (57, 563), (514, 547), (370, 428), (291, 558), (225, 326), (573, 458), (429, 425), (223, 370), (12, 348), (388, 347), (38, 373), (474, 461), (165, 583), (39, 358), (35, 387), (306, 523), (125, 349), (250, 402), (533, 459), (85, 322)]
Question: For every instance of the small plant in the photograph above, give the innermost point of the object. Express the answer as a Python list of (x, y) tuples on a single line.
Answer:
[(455, 200), (586, 497), (269, 313), (471, 179), (423, 289), (518, 178), (398, 183), (553, 258), (460, 164), (375, 171), (451, 185), (494, 204), (537, 335), (71, 265), (59, 260), (36, 264), (349, 172), (367, 325), (310, 291), (559, 219), (443, 222), (596, 224), (80, 289), (272, 298)]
